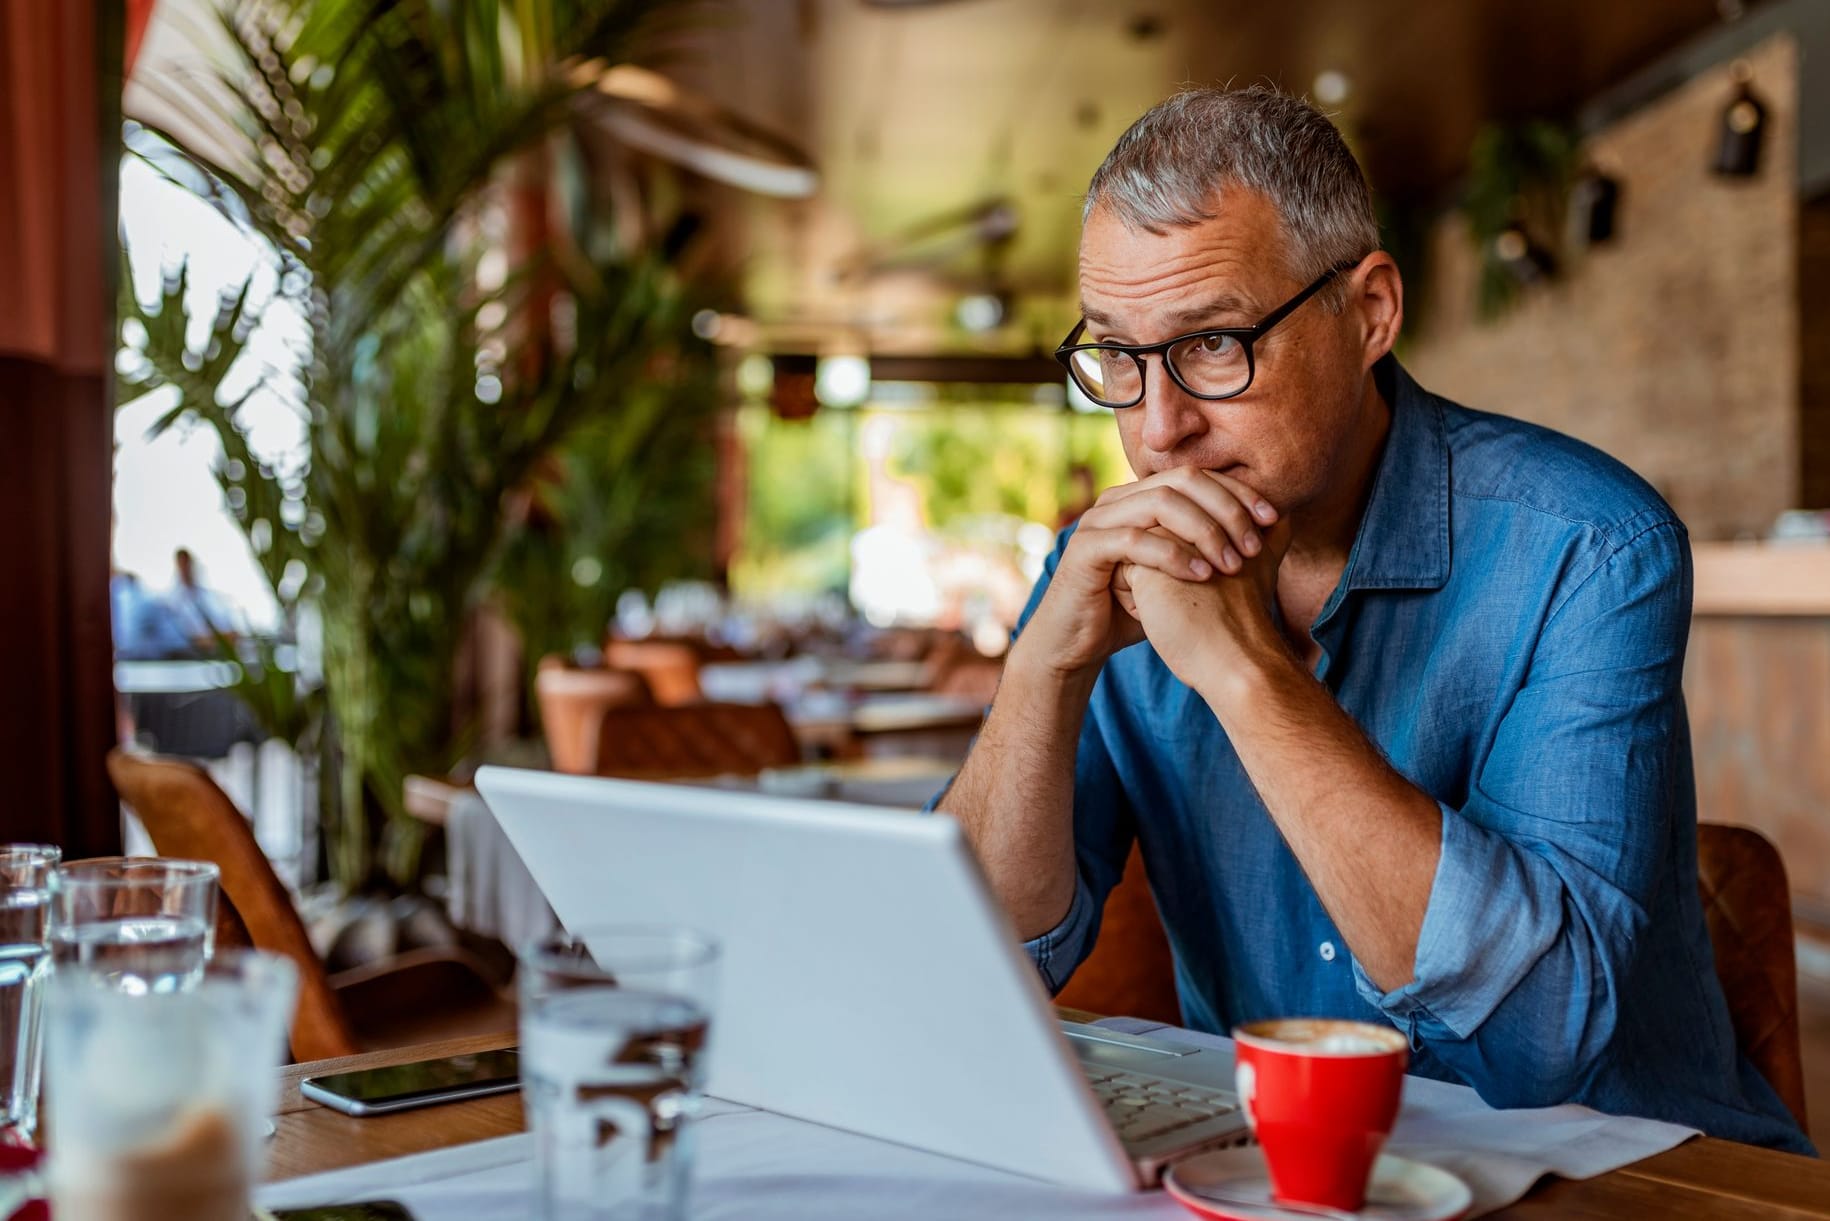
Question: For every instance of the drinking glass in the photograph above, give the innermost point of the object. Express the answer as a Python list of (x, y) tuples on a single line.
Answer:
[(158, 1098), (145, 924), (614, 1025), (25, 871)]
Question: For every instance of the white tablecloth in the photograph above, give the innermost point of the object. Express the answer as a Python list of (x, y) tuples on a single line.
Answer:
[(760, 1166), (491, 891)]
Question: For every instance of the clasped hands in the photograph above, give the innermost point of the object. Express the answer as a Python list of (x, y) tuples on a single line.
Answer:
[(1187, 559)]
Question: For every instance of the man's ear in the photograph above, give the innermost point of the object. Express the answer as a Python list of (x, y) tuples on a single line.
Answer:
[(1375, 292)]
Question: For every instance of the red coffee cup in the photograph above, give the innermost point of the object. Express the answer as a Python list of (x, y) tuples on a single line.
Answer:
[(1321, 1096)]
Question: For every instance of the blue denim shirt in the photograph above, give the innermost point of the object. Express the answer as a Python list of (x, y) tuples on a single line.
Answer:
[(1510, 629)]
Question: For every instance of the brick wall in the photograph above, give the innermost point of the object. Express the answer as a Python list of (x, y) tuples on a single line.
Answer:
[(1676, 348)]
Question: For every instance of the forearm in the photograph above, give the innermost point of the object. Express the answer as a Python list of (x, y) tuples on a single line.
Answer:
[(1367, 839), (1015, 794)]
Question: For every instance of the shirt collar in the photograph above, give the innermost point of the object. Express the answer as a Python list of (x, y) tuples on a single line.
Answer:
[(1403, 542)]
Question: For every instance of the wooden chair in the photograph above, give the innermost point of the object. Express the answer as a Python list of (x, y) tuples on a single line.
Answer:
[(670, 668), (1746, 904), (1748, 907), (695, 740), (1130, 972), (573, 700), (423, 994)]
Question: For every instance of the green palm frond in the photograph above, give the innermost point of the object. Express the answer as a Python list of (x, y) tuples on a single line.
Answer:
[(365, 143)]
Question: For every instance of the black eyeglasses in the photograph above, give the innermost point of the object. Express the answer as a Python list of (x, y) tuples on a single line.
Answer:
[(1212, 364)]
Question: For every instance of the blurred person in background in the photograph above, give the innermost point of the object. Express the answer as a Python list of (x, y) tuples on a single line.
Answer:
[(198, 615), (143, 629)]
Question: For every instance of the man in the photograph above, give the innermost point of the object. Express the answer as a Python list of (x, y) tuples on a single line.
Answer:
[(198, 614), (1386, 690)]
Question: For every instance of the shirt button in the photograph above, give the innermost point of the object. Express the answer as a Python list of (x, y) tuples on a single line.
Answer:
[(1326, 949)]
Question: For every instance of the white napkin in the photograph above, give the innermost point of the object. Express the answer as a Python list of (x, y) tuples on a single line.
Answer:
[(1500, 1155)]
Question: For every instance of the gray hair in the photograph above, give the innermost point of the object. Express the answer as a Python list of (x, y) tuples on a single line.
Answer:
[(1167, 169)]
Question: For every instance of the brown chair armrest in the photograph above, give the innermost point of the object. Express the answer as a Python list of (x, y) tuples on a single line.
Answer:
[(422, 995), (464, 971)]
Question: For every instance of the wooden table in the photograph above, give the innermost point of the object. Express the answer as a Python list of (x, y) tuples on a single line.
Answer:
[(1704, 1178), (911, 723)]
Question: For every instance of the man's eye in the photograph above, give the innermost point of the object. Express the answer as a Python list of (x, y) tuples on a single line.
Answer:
[(1217, 345)]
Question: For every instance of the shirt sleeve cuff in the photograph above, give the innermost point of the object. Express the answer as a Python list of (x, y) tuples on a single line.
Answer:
[(1057, 952), (1471, 952)]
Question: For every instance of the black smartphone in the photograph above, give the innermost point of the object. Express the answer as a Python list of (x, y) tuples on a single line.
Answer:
[(367, 1210), (401, 1087)]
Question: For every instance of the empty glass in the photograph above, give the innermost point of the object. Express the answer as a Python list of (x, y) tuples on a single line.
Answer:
[(143, 924), (159, 1098), (25, 871), (613, 1043)]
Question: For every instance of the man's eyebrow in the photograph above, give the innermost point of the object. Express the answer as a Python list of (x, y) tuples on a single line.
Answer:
[(1188, 316), (1215, 307)]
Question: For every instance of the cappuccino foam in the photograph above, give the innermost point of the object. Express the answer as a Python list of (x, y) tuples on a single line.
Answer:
[(1348, 1044), (1326, 1036)]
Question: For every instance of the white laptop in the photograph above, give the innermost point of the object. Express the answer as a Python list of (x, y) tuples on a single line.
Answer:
[(870, 981)]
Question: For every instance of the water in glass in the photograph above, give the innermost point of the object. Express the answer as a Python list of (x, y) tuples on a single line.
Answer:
[(613, 1076), (140, 954), (24, 962)]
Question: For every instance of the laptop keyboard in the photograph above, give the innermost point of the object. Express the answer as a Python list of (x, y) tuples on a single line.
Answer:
[(1142, 1108)]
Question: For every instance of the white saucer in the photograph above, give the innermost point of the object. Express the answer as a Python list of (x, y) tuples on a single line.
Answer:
[(1400, 1190)]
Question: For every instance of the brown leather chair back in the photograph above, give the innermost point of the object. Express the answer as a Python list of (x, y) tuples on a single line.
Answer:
[(705, 739), (1130, 972), (188, 816), (670, 668), (573, 701), (1748, 906)]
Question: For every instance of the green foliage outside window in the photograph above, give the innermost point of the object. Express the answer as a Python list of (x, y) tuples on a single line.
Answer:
[(973, 462)]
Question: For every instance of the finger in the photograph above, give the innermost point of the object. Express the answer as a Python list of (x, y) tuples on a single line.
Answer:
[(1121, 592), (1218, 494), (1192, 481), (1216, 527), (1262, 510), (1103, 550), (1229, 500)]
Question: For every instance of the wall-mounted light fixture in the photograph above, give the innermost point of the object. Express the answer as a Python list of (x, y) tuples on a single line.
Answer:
[(1526, 260), (1594, 203), (1741, 129)]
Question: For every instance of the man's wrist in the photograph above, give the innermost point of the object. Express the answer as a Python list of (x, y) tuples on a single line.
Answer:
[(1029, 672), (1234, 682)]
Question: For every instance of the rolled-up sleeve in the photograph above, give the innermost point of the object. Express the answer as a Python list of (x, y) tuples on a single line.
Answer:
[(1061, 949), (1548, 868)]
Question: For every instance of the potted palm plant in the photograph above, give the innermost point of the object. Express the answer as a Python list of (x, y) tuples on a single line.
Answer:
[(380, 149)]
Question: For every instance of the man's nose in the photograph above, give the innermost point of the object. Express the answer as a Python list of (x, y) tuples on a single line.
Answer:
[(1171, 415)]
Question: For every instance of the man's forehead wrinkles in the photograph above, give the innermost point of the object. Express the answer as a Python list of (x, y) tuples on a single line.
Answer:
[(1195, 295), (1212, 308)]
